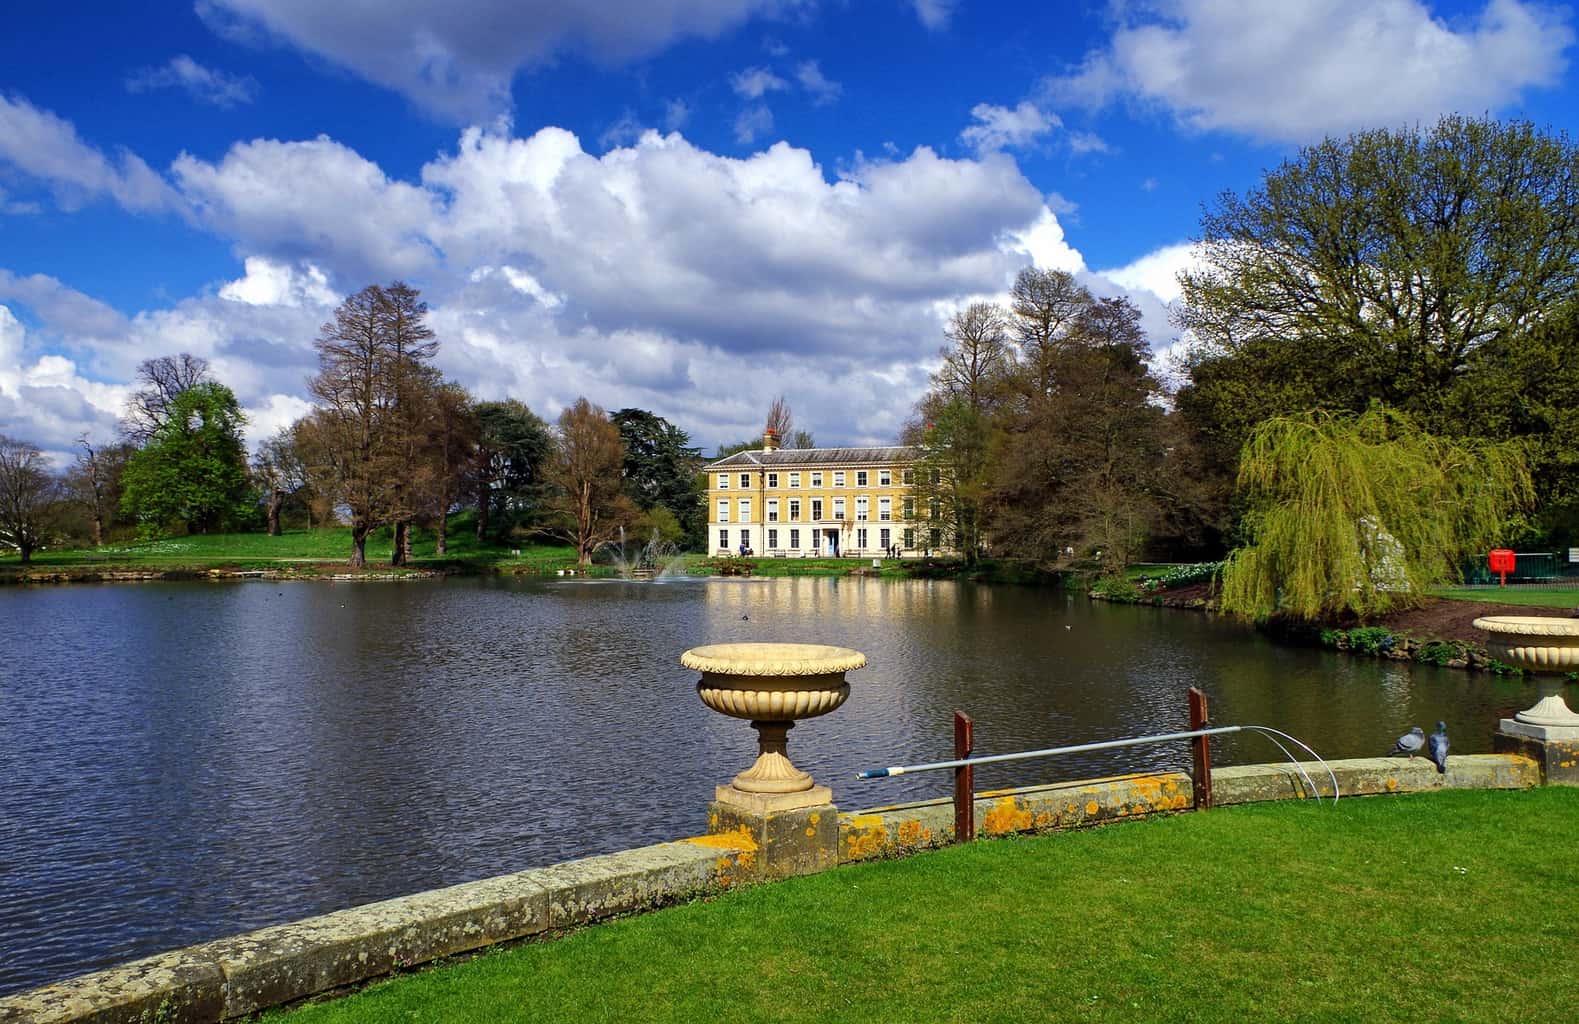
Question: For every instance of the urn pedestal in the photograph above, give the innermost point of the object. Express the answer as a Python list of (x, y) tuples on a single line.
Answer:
[(791, 820), (1548, 733)]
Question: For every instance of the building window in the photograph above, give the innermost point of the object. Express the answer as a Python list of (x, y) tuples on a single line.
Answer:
[(860, 478), (816, 479), (723, 481), (910, 537), (723, 539), (908, 476), (773, 539), (886, 538), (910, 508), (773, 512), (794, 510), (860, 539), (937, 537), (838, 509), (745, 539), (794, 480), (885, 478), (723, 510), (773, 479), (862, 511), (816, 509), (838, 478), (885, 510), (934, 507), (795, 539), (744, 509), (745, 481)]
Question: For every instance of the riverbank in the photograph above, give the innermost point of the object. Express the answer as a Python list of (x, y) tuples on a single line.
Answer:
[(1364, 911)]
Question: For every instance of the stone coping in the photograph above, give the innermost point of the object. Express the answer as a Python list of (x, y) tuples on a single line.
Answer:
[(242, 974)]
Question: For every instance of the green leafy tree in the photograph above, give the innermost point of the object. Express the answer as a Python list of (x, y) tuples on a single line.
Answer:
[(193, 471), (661, 471), (1362, 514), (1374, 267), (513, 450)]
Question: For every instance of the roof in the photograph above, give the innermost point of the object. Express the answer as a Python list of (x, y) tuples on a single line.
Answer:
[(817, 457)]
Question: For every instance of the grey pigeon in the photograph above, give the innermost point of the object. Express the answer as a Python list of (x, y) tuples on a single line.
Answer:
[(1411, 743), (1436, 746)]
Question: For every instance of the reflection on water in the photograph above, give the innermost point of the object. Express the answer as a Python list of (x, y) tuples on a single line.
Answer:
[(182, 761)]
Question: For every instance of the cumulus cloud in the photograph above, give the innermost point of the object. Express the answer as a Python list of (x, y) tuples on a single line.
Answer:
[(1156, 272), (216, 88), (1296, 72), (1005, 128), (458, 60), (754, 83), (46, 148), (644, 275)]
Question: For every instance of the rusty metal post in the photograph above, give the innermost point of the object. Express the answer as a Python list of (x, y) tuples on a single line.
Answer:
[(1201, 751), (964, 780)]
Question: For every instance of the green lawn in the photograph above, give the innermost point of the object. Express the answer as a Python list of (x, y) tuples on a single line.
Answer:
[(1564, 598), (1455, 906)]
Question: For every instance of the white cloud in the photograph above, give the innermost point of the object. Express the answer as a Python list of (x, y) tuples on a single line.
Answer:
[(1156, 272), (206, 85), (754, 83), (45, 401), (1004, 128), (267, 283), (675, 115), (459, 60), (1295, 72), (822, 90), (752, 123), (934, 14), (44, 147)]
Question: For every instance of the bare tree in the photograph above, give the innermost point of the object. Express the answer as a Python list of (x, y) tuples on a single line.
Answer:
[(1046, 306), (28, 492), (279, 472), (411, 384), (162, 380), (94, 482), (586, 470), (975, 366), (781, 422)]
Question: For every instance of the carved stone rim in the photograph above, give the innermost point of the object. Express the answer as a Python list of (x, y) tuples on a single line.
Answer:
[(772, 659), (1528, 625)]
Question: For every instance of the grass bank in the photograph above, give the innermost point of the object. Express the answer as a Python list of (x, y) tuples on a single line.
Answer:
[(1451, 906)]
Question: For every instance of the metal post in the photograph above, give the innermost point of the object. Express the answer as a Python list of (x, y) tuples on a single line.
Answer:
[(1201, 751), (964, 780)]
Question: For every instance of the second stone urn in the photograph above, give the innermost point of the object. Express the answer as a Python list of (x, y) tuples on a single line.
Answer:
[(773, 685)]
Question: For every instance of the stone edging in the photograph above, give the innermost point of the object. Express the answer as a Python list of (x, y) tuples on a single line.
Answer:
[(242, 974)]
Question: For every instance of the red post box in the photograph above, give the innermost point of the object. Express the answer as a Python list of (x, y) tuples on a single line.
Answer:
[(1501, 562)]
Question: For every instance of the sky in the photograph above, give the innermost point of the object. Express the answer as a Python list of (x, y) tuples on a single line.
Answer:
[(686, 206)]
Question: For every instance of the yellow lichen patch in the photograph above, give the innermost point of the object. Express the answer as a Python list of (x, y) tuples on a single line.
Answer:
[(865, 836), (1070, 809), (1092, 807), (1046, 819), (1392, 784), (738, 839), (814, 818), (1006, 816)]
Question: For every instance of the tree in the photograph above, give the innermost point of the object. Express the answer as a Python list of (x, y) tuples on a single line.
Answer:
[(1045, 307), (977, 363), (279, 473), (1373, 267), (372, 359), (163, 380), (94, 482), (661, 470), (451, 454), (1362, 514), (193, 470), (513, 449), (28, 492), (585, 471)]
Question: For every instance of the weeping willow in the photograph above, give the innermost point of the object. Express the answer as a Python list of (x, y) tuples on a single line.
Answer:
[(1362, 514)]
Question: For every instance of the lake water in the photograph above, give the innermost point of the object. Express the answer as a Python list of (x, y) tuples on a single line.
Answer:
[(183, 761)]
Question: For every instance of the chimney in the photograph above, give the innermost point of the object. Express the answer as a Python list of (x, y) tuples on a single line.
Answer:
[(770, 440)]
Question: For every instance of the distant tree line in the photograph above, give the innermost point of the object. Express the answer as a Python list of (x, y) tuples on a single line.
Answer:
[(389, 445)]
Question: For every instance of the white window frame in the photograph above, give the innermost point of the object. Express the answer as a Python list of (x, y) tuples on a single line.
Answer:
[(885, 478), (773, 539), (863, 510), (860, 478), (794, 479), (743, 509), (773, 479), (838, 478), (816, 479), (816, 510), (745, 481), (723, 481), (908, 476), (838, 509), (723, 510), (794, 510), (723, 539), (885, 510), (773, 513), (886, 536), (794, 538), (860, 539)]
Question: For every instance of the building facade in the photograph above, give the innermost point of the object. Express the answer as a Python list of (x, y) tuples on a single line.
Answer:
[(777, 502)]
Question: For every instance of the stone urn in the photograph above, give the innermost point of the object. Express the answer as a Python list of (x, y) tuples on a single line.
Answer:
[(773, 686), (1549, 731)]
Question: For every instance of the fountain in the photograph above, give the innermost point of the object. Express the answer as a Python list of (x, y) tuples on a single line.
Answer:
[(1549, 731), (656, 559)]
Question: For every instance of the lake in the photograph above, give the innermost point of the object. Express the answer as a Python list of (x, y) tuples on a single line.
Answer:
[(181, 761)]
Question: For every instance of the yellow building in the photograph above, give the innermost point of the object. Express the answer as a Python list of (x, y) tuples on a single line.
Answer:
[(777, 502)]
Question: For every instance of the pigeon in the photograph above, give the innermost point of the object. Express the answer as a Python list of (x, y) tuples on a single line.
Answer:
[(1436, 746), (1411, 743)]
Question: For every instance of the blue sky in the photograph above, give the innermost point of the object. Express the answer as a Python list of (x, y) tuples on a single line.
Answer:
[(690, 207)]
